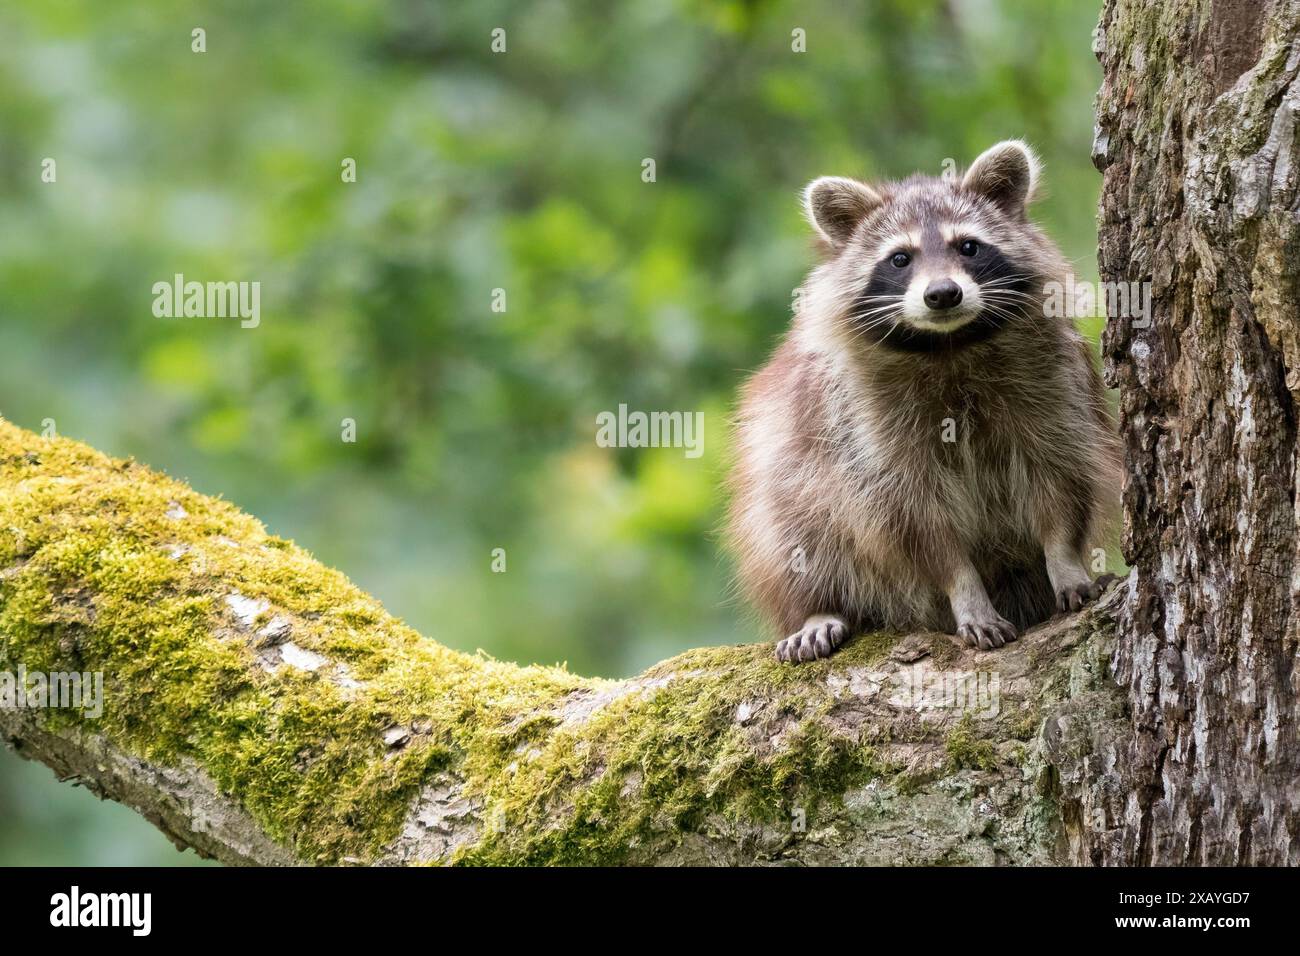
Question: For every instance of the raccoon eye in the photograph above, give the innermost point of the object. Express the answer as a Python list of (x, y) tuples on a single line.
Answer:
[(900, 260), (969, 247)]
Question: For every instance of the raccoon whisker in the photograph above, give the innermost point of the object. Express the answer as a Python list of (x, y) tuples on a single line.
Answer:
[(1001, 313), (1025, 309), (1013, 275), (868, 313), (1001, 316), (879, 321), (863, 334), (885, 312), (862, 329), (870, 321), (879, 308), (1002, 280), (1006, 288), (863, 325), (1008, 296), (993, 292), (885, 337), (1007, 280), (1005, 283), (1010, 308), (896, 301), (890, 322)]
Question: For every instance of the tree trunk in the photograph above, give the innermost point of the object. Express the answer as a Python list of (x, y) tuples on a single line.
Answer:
[(1196, 136), (260, 709)]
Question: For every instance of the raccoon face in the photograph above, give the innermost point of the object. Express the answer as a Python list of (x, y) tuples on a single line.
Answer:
[(928, 265)]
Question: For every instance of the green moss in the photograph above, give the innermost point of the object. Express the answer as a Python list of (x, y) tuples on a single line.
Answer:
[(668, 759), (107, 566), (1026, 726), (966, 750)]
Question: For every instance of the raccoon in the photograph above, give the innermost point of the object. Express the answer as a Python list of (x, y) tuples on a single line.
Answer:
[(927, 448)]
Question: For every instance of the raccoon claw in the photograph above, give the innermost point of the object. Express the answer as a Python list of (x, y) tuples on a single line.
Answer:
[(819, 637), (1075, 596), (987, 635)]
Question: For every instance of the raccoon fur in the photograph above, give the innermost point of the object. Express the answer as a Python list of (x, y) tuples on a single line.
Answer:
[(927, 448)]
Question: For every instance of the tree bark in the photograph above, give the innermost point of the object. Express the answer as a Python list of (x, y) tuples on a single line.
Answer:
[(1196, 136)]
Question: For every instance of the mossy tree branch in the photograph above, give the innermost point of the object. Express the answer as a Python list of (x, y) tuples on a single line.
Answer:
[(261, 709)]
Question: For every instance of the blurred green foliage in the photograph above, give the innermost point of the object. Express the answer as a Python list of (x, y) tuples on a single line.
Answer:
[(475, 171)]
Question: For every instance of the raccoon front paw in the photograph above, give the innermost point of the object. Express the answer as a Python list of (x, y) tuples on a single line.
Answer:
[(987, 633), (820, 636), (1072, 597)]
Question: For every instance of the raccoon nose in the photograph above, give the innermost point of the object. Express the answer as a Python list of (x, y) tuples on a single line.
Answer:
[(943, 294)]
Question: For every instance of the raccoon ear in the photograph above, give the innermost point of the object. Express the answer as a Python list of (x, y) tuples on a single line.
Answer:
[(1005, 173), (835, 205)]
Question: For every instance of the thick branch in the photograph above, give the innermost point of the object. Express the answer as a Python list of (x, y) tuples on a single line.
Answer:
[(261, 709)]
